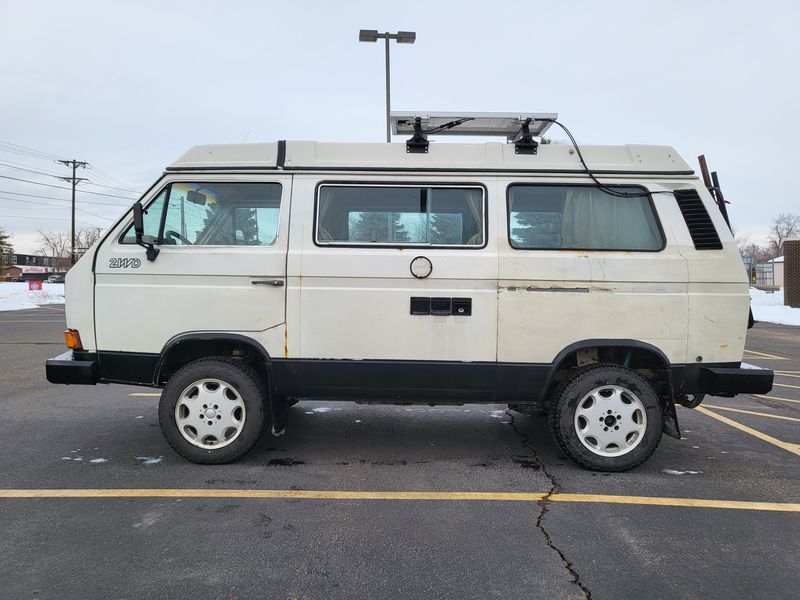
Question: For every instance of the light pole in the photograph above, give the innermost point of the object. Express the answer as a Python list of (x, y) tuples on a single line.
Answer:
[(402, 37)]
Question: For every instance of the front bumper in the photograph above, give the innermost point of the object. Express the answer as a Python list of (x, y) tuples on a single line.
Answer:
[(74, 366), (722, 380)]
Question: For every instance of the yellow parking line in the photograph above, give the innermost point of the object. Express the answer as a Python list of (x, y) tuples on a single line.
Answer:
[(776, 398), (793, 448), (786, 374), (750, 412), (691, 502), (786, 385), (270, 494), (351, 495), (765, 355), (145, 394)]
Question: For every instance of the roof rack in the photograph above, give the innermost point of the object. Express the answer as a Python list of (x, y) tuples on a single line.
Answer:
[(518, 128)]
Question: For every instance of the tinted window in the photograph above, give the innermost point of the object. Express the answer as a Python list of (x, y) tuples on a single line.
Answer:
[(214, 214), (438, 216), (581, 218)]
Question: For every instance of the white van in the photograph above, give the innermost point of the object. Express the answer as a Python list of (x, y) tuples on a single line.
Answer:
[(251, 275)]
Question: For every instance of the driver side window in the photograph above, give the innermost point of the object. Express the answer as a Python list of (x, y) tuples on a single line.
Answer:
[(213, 214), (152, 221)]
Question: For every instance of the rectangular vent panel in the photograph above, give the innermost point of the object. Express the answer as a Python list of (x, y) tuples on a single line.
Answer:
[(701, 228)]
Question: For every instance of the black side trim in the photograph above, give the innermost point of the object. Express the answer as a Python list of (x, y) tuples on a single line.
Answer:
[(701, 227), (281, 160), (136, 368), (72, 367), (390, 380)]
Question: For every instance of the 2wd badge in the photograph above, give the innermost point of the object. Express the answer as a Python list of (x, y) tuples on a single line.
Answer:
[(124, 263)]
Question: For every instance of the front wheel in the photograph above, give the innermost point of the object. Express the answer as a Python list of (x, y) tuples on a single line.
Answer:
[(607, 418), (212, 411)]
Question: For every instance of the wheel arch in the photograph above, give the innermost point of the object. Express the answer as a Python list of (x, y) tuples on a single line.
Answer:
[(634, 354), (187, 347)]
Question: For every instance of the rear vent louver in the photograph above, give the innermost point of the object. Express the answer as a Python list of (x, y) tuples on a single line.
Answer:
[(701, 228)]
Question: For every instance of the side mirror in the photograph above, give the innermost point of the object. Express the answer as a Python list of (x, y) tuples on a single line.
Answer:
[(138, 221), (138, 228)]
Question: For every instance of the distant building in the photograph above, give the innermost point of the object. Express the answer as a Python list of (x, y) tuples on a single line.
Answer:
[(32, 266), (777, 271)]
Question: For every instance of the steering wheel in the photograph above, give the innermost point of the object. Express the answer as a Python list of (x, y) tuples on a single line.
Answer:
[(175, 234)]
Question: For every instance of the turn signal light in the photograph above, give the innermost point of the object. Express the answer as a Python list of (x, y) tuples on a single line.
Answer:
[(73, 339)]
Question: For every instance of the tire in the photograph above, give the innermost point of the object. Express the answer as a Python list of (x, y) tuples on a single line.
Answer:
[(208, 434), (607, 418)]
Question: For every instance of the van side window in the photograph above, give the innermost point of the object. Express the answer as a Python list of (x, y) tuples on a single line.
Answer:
[(581, 218), (214, 214), (400, 215)]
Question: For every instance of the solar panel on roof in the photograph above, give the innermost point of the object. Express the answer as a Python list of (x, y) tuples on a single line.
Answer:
[(507, 125)]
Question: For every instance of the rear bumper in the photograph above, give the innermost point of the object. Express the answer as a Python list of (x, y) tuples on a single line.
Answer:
[(722, 380), (74, 366)]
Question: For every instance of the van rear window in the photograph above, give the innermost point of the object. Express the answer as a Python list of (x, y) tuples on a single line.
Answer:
[(568, 217), (400, 215)]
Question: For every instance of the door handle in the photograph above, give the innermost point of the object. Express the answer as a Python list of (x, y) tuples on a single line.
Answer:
[(273, 282)]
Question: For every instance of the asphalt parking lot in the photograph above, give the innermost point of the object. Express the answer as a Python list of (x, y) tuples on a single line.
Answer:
[(388, 502)]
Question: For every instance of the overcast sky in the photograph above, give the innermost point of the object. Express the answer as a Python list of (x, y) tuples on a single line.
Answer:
[(128, 86)]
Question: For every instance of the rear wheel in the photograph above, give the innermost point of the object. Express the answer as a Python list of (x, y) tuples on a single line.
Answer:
[(212, 411), (607, 418)]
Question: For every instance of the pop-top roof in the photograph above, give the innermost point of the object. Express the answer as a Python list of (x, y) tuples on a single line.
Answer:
[(486, 157)]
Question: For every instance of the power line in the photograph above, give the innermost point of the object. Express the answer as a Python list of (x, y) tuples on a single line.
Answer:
[(61, 187), (21, 168), (47, 219), (19, 149), (87, 182), (113, 187), (83, 210), (111, 182), (60, 199)]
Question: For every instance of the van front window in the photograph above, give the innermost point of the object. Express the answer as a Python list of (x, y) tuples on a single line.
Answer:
[(214, 214)]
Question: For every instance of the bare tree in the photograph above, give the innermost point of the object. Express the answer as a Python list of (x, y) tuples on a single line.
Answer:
[(759, 253), (85, 238), (54, 243), (784, 226)]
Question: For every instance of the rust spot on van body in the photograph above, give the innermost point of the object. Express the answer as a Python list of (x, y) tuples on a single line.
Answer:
[(285, 342)]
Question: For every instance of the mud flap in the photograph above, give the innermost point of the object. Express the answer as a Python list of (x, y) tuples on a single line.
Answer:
[(671, 427), (279, 414)]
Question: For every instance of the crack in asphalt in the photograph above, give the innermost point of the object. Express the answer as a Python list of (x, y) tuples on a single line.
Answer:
[(544, 505)]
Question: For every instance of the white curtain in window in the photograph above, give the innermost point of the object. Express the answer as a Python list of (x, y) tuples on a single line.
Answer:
[(474, 203), (594, 219)]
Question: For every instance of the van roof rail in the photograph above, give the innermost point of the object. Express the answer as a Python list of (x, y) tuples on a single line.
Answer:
[(519, 128)]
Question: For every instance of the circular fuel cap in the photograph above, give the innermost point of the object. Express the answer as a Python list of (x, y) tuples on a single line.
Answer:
[(421, 267)]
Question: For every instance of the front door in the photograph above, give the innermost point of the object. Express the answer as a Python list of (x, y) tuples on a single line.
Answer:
[(221, 265)]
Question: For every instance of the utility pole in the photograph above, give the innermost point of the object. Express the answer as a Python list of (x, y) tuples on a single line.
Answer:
[(74, 181)]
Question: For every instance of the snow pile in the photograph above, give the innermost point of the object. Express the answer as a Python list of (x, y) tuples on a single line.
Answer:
[(769, 307), (16, 296)]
